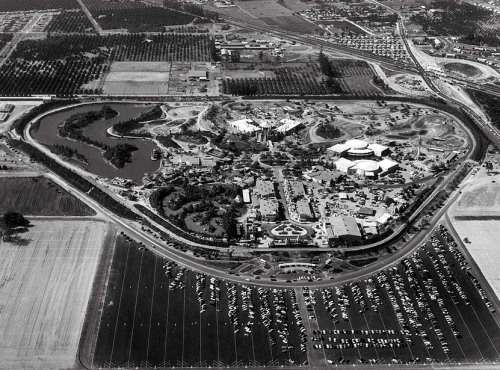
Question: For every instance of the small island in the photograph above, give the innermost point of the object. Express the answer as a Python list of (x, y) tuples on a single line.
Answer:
[(120, 154), (73, 126)]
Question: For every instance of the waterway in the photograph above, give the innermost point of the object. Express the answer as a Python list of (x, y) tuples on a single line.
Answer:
[(141, 159)]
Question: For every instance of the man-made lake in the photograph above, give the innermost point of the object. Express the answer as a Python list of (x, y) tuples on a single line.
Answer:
[(141, 164)]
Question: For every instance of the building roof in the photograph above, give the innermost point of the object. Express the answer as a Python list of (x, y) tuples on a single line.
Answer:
[(303, 208), (245, 125), (345, 226), (196, 73), (296, 187), (287, 125), (264, 188), (356, 144), (342, 162), (384, 218), (377, 147), (246, 196), (366, 211), (339, 148), (4, 107), (361, 151), (386, 164), (450, 156), (268, 207), (319, 173), (367, 166)]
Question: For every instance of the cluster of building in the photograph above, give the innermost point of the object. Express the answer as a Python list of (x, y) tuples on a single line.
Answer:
[(356, 159), (298, 205), (386, 46), (5, 110), (264, 200), (362, 14), (247, 125)]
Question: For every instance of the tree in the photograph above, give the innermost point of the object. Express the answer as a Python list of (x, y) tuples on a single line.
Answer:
[(14, 219)]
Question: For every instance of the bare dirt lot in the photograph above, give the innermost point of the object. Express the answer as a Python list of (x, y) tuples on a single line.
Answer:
[(481, 240), (480, 199), (45, 285), (142, 78)]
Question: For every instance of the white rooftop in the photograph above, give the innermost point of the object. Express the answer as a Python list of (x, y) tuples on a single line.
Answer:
[(356, 144)]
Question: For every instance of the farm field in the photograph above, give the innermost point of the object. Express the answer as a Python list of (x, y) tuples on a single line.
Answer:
[(281, 16), (87, 59), (44, 288), (152, 317), (100, 5), (141, 19), (25, 5), (37, 196), (443, 316), (67, 22), (141, 78)]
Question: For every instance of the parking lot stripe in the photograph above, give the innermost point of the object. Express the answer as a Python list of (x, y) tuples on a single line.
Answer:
[(166, 322), (119, 305), (135, 308), (368, 326), (217, 322), (184, 318), (151, 311)]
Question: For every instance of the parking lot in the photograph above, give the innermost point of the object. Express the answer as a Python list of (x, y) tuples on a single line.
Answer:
[(428, 308), (157, 313)]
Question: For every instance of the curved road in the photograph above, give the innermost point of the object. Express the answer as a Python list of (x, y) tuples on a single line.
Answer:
[(133, 229)]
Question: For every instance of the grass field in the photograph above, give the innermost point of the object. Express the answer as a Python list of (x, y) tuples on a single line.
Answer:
[(141, 78), (463, 68), (359, 85), (147, 322), (292, 23), (37, 196), (44, 289)]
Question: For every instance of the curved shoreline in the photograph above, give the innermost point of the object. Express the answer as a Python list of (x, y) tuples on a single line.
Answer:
[(88, 169)]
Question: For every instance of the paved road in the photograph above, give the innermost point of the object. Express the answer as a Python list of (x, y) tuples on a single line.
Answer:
[(89, 16)]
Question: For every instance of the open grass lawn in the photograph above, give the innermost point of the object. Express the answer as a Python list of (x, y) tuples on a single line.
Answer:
[(37, 196), (292, 23), (146, 322), (463, 68), (360, 85)]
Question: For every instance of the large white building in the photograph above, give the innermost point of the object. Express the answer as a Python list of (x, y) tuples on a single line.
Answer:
[(366, 167), (245, 125), (288, 126), (356, 148), (388, 165), (343, 228), (345, 166)]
